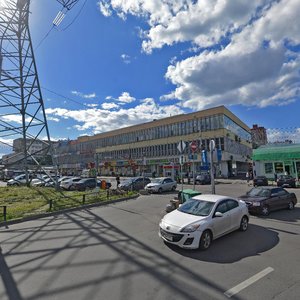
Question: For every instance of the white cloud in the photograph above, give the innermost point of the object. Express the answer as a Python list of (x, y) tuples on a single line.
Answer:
[(126, 98), (6, 142), (102, 120), (109, 106), (91, 104), (85, 96), (125, 58), (104, 8), (255, 66), (53, 119)]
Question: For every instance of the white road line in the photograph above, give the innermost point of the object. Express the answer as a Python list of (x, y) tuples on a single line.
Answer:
[(248, 282)]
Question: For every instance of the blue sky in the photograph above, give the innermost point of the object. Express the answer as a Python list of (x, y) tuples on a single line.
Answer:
[(112, 64)]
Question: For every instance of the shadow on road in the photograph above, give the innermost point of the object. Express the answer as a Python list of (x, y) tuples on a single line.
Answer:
[(47, 257), (284, 215), (235, 246)]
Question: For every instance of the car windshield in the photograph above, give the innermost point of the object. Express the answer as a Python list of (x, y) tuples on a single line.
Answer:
[(197, 207), (156, 180), (256, 192), (127, 181)]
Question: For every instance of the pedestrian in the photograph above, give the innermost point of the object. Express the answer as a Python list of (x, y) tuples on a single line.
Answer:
[(275, 177), (248, 177), (118, 180)]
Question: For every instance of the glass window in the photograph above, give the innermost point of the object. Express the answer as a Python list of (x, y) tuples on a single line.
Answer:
[(269, 168), (231, 204), (278, 167), (222, 207)]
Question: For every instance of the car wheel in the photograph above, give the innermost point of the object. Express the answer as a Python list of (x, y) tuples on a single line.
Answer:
[(291, 205), (160, 190), (72, 188), (205, 240), (265, 210), (173, 188), (244, 224)]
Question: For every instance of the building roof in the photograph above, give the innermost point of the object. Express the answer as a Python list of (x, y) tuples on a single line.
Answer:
[(166, 121), (277, 152)]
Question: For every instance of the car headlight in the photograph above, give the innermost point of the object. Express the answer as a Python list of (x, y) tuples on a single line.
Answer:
[(256, 203), (190, 228)]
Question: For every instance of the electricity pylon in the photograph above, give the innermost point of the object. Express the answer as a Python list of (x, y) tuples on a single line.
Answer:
[(22, 111)]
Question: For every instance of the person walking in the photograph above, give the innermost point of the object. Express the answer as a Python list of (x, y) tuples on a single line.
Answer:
[(118, 180), (248, 177)]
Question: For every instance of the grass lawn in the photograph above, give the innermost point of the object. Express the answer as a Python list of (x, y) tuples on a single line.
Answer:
[(25, 201)]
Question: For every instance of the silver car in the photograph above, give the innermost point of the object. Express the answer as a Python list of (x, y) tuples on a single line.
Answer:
[(161, 184)]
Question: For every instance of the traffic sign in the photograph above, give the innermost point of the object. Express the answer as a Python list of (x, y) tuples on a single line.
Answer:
[(181, 146), (193, 146)]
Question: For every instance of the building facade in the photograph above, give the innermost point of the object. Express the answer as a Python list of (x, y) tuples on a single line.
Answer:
[(152, 148), (259, 136), (277, 159)]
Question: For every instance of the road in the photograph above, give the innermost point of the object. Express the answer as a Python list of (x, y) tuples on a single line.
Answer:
[(114, 252)]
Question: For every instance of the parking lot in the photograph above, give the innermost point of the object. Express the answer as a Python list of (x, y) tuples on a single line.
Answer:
[(114, 252)]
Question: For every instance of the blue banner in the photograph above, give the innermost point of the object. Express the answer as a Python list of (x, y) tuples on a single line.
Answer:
[(219, 154), (204, 157)]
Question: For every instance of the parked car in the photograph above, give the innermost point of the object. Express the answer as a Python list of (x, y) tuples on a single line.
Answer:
[(286, 181), (66, 184), (87, 183), (263, 200), (203, 179), (260, 181), (19, 180), (200, 220), (135, 183), (162, 184)]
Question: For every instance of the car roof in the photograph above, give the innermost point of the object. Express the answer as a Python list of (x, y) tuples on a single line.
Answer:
[(211, 198)]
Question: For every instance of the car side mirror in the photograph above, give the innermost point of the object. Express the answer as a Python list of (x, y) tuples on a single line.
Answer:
[(218, 214)]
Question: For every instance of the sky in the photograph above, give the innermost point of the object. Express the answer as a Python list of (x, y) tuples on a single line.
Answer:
[(112, 64)]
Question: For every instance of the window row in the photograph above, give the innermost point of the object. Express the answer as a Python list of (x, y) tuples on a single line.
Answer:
[(157, 150)]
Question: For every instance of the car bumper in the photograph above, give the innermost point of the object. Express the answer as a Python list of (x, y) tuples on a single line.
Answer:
[(255, 209), (186, 240), (152, 190)]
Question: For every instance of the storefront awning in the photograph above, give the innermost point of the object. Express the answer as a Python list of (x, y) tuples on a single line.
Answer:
[(277, 152)]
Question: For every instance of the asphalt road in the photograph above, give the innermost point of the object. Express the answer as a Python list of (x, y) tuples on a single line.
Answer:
[(114, 252)]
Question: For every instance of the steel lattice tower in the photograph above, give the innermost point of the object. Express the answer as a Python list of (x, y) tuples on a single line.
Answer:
[(22, 112)]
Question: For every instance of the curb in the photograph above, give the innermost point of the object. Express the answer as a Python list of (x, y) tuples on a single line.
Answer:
[(63, 211)]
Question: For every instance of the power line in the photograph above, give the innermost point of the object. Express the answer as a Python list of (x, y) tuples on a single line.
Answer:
[(78, 14)]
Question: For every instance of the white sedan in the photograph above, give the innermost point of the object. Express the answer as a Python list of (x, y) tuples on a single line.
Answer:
[(202, 219), (159, 185)]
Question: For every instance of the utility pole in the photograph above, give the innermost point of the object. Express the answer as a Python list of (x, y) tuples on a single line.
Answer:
[(22, 108)]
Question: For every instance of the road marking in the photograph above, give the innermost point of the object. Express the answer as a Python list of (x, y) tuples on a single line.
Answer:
[(248, 282)]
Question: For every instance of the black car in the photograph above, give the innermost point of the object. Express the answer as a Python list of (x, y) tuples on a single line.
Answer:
[(262, 200), (286, 181), (260, 181), (88, 183), (203, 179), (135, 183)]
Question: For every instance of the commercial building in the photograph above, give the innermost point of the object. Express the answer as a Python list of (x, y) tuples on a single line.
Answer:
[(277, 159), (259, 136), (152, 147)]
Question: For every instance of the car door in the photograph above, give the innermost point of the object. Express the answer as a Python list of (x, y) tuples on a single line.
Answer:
[(221, 225), (167, 184), (284, 198), (274, 202), (235, 213)]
